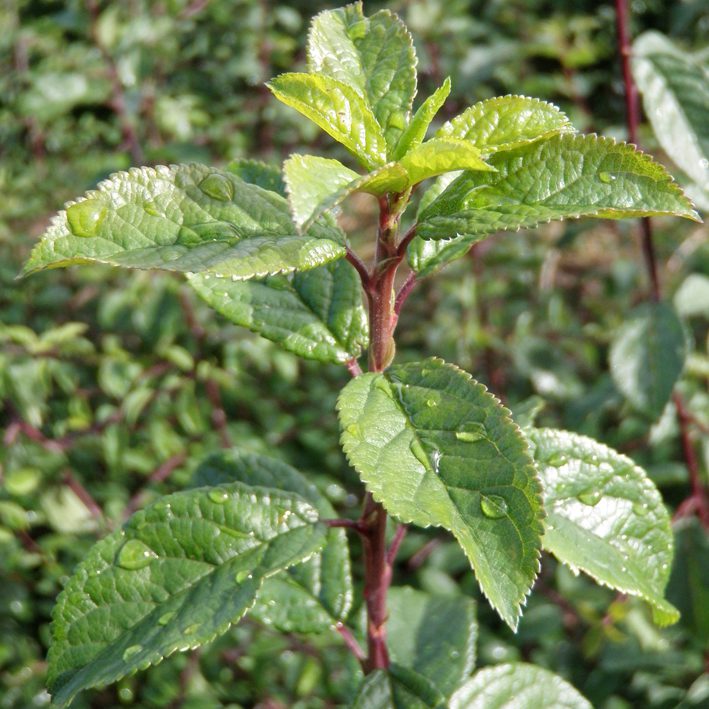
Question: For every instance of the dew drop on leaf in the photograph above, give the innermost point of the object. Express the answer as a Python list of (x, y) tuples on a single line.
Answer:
[(241, 576), (419, 453), (589, 497), (85, 217), (218, 496), (190, 629), (218, 187), (558, 460), (188, 237), (640, 509), (471, 432), (131, 652), (606, 177), (135, 555), (431, 403), (493, 506), (165, 618), (151, 209)]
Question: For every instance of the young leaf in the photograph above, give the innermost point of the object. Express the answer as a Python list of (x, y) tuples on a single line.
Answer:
[(566, 176), (506, 122), (517, 685), (188, 218), (647, 357), (374, 55), (398, 688), (315, 314), (433, 635), (605, 517), (435, 448), (312, 596), (338, 109), (415, 132), (675, 90), (178, 574)]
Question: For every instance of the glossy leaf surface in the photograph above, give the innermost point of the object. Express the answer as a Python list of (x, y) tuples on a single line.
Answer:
[(338, 109), (436, 449), (675, 91), (374, 55), (178, 574), (647, 357), (506, 122), (433, 635), (188, 218), (314, 595), (517, 685), (315, 314), (605, 517), (566, 176), (398, 688)]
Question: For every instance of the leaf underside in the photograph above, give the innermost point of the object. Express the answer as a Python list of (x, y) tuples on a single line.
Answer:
[(436, 449), (315, 314), (605, 517), (310, 597), (178, 574), (189, 218)]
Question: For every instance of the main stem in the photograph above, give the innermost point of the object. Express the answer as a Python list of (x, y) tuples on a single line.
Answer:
[(382, 321)]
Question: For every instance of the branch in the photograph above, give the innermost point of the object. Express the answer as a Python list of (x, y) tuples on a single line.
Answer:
[(405, 241), (160, 474), (406, 288), (355, 525), (351, 641), (353, 367), (395, 544), (361, 269), (85, 496)]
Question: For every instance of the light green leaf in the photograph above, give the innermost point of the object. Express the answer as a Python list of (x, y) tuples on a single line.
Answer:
[(315, 314), (433, 635), (647, 357), (374, 55), (518, 685), (178, 574), (314, 595), (692, 297), (415, 132), (605, 517), (184, 218), (398, 688), (675, 91), (506, 122), (436, 449), (566, 176), (338, 109), (310, 180)]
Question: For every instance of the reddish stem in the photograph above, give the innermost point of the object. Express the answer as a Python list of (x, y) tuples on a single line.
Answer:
[(84, 495), (351, 641)]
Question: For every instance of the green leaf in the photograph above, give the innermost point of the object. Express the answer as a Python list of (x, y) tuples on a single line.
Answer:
[(398, 688), (178, 574), (338, 109), (433, 635), (506, 122), (259, 173), (436, 449), (517, 685), (692, 297), (415, 132), (675, 91), (605, 517), (314, 595), (189, 218), (566, 176), (647, 357), (311, 180), (315, 314), (374, 55)]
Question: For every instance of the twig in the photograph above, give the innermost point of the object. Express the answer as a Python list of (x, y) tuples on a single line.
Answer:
[(160, 474), (418, 559), (85, 496), (353, 524), (395, 544), (361, 269), (219, 418), (406, 287), (353, 367), (405, 241), (351, 641)]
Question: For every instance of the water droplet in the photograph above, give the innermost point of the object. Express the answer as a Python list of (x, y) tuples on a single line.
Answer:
[(218, 496), (192, 628), (85, 217), (557, 460), (589, 497), (218, 187), (241, 576), (493, 506), (419, 453), (431, 403), (165, 618), (135, 555), (435, 459), (640, 509), (606, 177), (471, 432), (187, 237), (131, 652), (354, 430), (151, 208)]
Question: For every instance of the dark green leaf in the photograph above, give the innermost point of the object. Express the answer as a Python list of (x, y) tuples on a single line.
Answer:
[(433, 635), (647, 357), (259, 173), (435, 448), (314, 595), (605, 517), (398, 688), (178, 574)]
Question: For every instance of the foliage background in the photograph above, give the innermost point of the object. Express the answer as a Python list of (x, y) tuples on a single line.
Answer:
[(113, 385)]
